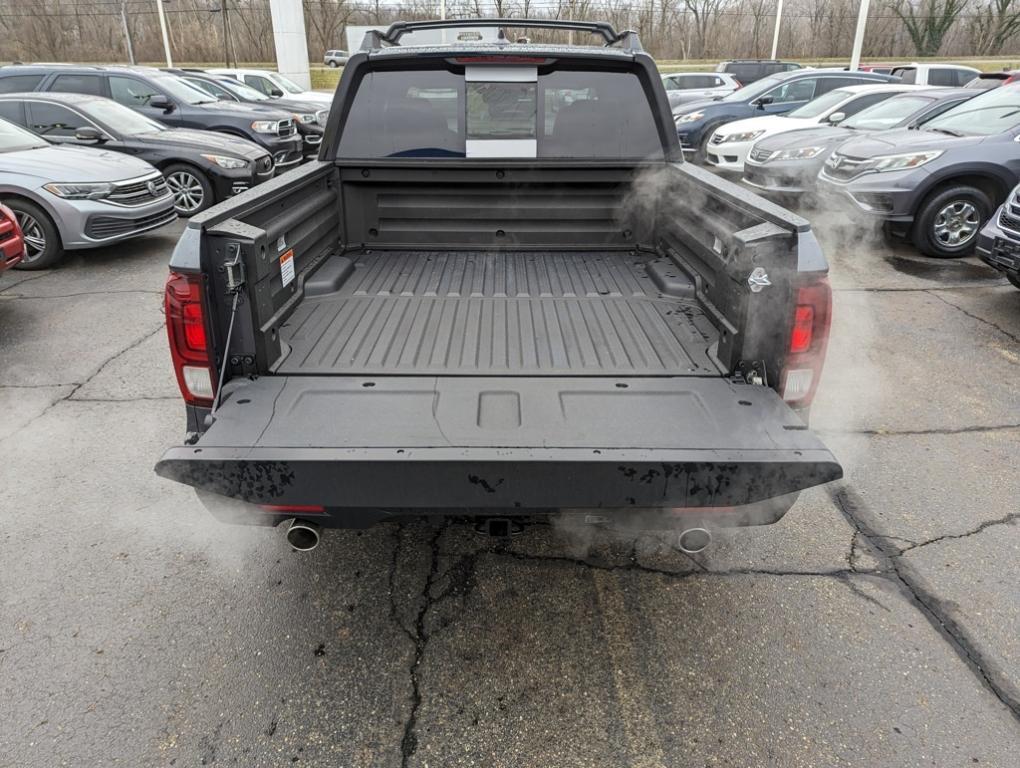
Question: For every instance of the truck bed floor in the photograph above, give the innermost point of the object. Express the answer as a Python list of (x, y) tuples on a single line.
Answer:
[(498, 312)]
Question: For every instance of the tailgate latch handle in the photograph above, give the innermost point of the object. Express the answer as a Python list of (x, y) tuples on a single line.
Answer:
[(758, 279)]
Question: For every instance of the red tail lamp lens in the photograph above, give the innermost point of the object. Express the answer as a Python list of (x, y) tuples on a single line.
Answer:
[(803, 328)]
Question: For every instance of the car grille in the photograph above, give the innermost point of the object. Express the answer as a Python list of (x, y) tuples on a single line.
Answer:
[(284, 160), (287, 128), (1010, 216), (758, 155), (843, 168), (104, 227), (139, 191), (264, 166)]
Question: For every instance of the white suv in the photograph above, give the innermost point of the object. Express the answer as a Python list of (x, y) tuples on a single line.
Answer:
[(274, 84)]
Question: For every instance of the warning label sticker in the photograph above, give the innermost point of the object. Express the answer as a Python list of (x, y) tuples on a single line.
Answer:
[(287, 267)]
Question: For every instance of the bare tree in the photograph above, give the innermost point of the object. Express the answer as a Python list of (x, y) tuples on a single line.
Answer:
[(928, 21), (993, 25)]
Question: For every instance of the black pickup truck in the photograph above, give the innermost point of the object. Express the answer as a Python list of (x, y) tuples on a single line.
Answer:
[(498, 292)]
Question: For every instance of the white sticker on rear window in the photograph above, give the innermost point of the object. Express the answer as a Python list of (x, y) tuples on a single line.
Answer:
[(287, 267)]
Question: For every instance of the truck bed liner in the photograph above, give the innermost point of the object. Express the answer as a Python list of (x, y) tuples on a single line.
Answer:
[(499, 312)]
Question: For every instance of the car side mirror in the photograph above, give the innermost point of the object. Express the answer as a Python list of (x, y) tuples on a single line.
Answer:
[(763, 101), (837, 117), (159, 101), (276, 93), (89, 135)]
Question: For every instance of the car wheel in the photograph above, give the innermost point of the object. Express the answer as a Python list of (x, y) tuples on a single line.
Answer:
[(43, 248), (1013, 278), (948, 222), (191, 189), (333, 65)]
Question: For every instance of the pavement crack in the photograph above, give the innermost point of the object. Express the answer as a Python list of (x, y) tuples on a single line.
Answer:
[(1008, 334), (1004, 520), (70, 395), (409, 742), (21, 297), (899, 571)]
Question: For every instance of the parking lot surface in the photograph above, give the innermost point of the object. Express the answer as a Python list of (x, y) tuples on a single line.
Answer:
[(876, 625)]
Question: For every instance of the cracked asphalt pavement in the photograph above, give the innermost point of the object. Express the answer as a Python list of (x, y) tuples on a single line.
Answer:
[(876, 625)]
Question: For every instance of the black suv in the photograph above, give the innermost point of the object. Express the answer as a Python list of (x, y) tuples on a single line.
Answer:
[(747, 71), (200, 167), (167, 99), (310, 118)]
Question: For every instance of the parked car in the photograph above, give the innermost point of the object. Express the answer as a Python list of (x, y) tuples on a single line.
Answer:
[(729, 145), (76, 197), (988, 80), (469, 336), (998, 243), (682, 87), (308, 116), (937, 184), (945, 75), (774, 95), (788, 164), (167, 99), (335, 58), (12, 240), (201, 167), (275, 85), (747, 71)]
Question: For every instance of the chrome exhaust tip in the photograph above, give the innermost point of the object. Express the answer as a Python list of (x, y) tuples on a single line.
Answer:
[(303, 536), (694, 540)]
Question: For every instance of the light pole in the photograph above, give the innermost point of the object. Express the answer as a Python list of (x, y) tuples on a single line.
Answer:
[(862, 21), (162, 27), (775, 35)]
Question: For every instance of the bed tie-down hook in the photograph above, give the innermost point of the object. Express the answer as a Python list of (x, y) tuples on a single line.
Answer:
[(758, 279)]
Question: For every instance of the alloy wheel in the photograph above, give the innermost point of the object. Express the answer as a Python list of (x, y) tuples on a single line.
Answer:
[(187, 191), (957, 223), (35, 236)]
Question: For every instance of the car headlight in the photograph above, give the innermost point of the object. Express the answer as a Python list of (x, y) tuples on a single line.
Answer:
[(741, 137), (306, 118), (266, 126), (80, 191), (227, 162), (803, 153), (902, 162), (690, 117)]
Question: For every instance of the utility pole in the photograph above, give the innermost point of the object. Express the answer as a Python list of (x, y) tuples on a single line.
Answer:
[(127, 32), (166, 39), (862, 22), (775, 35), (226, 34)]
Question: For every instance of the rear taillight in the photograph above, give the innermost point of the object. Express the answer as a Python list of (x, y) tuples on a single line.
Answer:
[(809, 336), (186, 330)]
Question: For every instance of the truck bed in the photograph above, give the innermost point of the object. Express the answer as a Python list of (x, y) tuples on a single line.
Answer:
[(520, 313)]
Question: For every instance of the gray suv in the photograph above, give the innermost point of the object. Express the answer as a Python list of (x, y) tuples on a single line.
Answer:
[(335, 58), (937, 184)]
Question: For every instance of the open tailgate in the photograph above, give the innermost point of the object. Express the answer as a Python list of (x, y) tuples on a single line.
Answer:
[(470, 442)]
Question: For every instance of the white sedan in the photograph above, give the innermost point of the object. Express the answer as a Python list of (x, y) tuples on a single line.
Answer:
[(729, 145)]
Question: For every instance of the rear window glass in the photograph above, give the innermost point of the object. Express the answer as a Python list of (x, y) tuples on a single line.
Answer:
[(565, 114)]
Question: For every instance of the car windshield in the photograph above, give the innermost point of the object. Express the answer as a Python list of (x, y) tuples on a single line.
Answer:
[(287, 86), (985, 115), (14, 138), (754, 90), (819, 106), (886, 114), (119, 118), (242, 91), (182, 91)]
